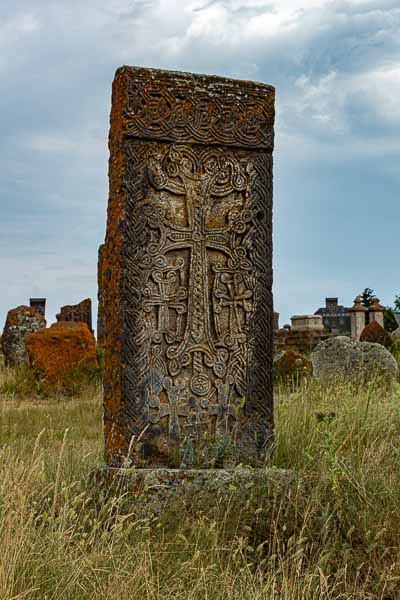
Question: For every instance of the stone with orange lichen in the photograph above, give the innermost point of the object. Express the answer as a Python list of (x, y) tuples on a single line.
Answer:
[(20, 322), (185, 274), (376, 334), (61, 351), (292, 364)]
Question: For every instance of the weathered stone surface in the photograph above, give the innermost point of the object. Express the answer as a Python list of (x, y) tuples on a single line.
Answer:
[(20, 322), (187, 265), (357, 317), (307, 323), (376, 312), (148, 492), (303, 341), (61, 350), (359, 361), (376, 334), (101, 325), (81, 312)]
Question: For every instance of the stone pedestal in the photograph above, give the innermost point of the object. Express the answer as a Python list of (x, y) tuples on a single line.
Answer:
[(357, 315), (187, 267), (376, 312), (149, 492), (307, 323)]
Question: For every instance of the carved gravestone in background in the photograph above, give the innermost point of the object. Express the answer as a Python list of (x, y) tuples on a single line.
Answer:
[(20, 322), (81, 312), (187, 266)]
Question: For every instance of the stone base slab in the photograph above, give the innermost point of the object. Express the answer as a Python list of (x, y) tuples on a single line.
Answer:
[(150, 491)]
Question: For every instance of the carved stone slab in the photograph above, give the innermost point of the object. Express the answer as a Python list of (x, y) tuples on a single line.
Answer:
[(81, 312), (186, 270)]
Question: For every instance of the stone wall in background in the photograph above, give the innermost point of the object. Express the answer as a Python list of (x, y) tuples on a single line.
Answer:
[(298, 341)]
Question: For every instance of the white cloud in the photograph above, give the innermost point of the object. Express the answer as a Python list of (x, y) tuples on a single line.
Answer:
[(335, 64), (381, 88), (13, 29)]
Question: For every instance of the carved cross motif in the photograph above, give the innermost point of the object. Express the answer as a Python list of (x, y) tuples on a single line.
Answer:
[(190, 198), (174, 409), (223, 408), (167, 296), (198, 179), (234, 296)]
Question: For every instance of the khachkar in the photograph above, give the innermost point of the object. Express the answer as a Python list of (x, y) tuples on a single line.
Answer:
[(187, 267)]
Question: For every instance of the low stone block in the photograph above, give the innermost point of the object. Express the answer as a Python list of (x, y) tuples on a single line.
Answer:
[(357, 361), (149, 492), (60, 351), (307, 323)]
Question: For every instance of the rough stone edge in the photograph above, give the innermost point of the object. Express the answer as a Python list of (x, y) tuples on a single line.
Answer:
[(164, 483), (240, 89)]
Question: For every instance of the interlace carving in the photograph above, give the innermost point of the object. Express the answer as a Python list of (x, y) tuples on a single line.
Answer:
[(198, 281), (186, 272), (235, 113)]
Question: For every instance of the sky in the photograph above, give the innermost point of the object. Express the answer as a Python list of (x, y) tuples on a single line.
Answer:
[(336, 68)]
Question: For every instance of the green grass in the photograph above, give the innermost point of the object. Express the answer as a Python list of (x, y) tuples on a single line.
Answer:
[(335, 537)]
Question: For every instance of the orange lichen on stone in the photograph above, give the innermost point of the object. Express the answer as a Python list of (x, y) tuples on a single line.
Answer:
[(292, 363), (141, 425), (114, 438), (375, 333), (62, 350)]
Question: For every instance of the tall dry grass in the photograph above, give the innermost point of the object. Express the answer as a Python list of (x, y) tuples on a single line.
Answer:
[(337, 536)]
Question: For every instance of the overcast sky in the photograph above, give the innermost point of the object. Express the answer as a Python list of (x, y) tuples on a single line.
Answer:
[(336, 69)]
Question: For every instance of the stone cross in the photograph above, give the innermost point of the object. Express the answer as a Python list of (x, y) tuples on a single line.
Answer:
[(186, 268)]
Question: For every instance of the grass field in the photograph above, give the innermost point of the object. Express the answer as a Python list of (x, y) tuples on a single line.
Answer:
[(336, 537)]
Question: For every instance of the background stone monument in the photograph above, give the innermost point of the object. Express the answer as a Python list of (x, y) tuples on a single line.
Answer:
[(20, 322), (81, 312), (357, 314), (186, 269)]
